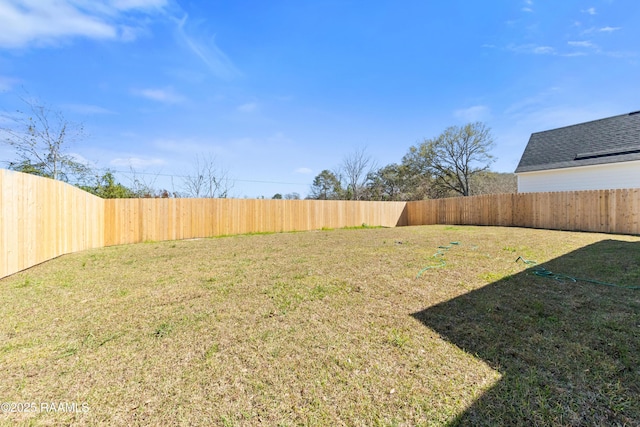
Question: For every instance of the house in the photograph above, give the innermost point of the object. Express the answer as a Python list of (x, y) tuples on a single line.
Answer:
[(598, 155)]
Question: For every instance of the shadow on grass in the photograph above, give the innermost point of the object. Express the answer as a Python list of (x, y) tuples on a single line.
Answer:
[(569, 353)]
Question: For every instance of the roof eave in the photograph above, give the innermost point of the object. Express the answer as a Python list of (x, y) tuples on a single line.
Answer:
[(577, 163)]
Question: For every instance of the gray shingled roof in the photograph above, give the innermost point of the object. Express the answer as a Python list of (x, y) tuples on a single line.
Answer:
[(611, 140)]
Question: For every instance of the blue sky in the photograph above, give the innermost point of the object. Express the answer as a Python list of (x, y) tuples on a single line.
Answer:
[(278, 91)]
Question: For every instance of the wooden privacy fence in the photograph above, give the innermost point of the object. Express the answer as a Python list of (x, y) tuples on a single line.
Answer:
[(139, 220), (605, 211), (41, 218)]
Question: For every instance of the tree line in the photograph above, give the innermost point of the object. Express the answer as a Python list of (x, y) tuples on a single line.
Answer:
[(40, 137), (455, 163)]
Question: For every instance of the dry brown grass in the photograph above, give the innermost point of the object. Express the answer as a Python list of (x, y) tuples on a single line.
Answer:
[(316, 328)]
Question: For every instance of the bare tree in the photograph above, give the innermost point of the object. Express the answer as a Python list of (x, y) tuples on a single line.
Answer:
[(40, 137), (208, 180), (143, 184), (354, 168)]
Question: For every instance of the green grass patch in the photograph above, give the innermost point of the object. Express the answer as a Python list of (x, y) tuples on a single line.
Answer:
[(361, 227)]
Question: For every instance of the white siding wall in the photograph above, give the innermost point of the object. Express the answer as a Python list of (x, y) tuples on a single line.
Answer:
[(599, 177)]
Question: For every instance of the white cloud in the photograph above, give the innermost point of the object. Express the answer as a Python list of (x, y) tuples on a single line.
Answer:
[(138, 4), (548, 110), (7, 83), (552, 117), (207, 51), (620, 54), (527, 9), (166, 95), (304, 171), (609, 29), (81, 159), (543, 50), (137, 162), (581, 44), (532, 49), (48, 22), (534, 102), (578, 44), (573, 54), (590, 11), (248, 107), (473, 114), (544, 111), (129, 34)]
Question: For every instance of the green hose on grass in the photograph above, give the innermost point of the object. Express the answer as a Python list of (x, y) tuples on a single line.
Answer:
[(543, 272), (439, 255)]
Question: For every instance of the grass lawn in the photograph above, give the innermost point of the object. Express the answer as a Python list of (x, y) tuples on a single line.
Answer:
[(334, 327)]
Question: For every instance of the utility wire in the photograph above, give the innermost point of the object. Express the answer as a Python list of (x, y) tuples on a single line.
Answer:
[(187, 176)]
